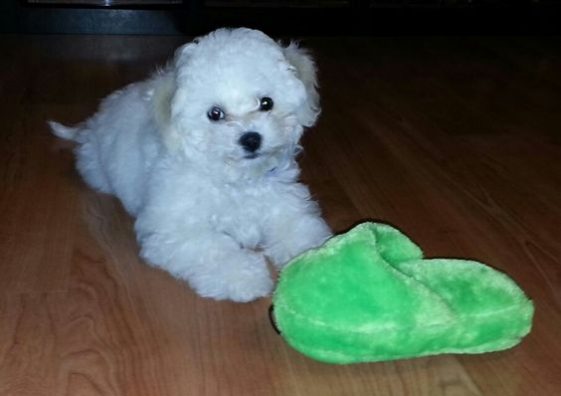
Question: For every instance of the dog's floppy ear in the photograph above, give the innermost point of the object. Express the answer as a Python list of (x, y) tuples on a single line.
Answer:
[(164, 95), (305, 69)]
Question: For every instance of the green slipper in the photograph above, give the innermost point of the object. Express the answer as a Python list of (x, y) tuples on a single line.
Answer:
[(369, 295)]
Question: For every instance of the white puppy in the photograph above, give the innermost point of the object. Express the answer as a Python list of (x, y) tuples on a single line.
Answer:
[(203, 154)]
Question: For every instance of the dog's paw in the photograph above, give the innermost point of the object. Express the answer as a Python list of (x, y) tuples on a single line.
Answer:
[(305, 236), (243, 277)]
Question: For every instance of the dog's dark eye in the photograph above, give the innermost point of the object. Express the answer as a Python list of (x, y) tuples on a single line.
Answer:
[(266, 104), (215, 114)]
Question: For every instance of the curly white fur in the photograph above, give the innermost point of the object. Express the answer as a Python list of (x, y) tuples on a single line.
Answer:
[(206, 211)]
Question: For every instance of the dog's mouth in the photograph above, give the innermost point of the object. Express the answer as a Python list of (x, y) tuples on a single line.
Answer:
[(251, 156), (274, 152)]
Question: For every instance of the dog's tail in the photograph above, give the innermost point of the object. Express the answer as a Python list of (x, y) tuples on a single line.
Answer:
[(64, 132)]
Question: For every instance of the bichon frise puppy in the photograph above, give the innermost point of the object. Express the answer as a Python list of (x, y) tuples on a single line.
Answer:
[(203, 154)]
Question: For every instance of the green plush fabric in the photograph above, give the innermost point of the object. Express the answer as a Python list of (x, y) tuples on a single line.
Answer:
[(369, 295)]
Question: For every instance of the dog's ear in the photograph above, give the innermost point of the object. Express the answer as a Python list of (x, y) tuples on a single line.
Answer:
[(161, 99), (164, 95), (304, 68), (183, 53)]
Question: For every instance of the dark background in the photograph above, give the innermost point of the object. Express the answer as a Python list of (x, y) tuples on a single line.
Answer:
[(302, 17)]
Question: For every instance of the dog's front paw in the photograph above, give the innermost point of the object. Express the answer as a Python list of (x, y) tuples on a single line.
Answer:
[(242, 277), (306, 235)]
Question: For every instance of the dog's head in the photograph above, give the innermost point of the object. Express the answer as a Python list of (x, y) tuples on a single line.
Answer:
[(240, 98)]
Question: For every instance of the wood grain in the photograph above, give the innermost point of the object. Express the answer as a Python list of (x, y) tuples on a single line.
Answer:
[(455, 140)]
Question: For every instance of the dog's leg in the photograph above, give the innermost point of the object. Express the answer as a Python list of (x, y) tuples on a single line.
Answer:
[(213, 263)]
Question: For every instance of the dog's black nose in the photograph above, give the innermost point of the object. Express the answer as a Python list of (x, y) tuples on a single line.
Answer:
[(251, 141)]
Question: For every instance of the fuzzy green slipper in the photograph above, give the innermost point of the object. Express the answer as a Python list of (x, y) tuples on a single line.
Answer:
[(369, 295)]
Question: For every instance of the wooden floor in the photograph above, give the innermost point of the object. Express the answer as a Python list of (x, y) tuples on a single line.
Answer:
[(457, 141)]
